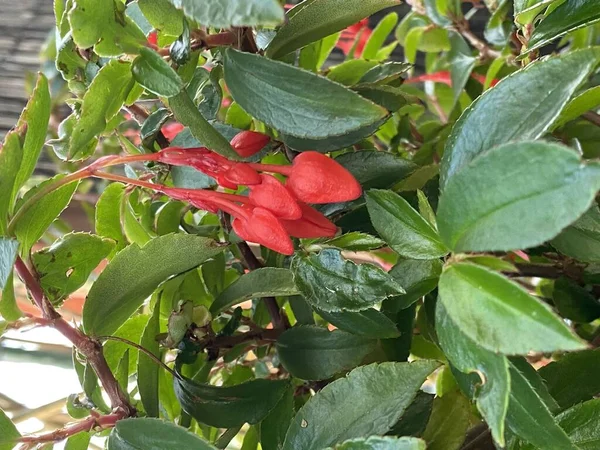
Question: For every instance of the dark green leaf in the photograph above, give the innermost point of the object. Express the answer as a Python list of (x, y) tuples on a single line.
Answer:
[(232, 13), (32, 224), (108, 214), (265, 282), (449, 421), (570, 16), (414, 419), (385, 73), (66, 265), (153, 434), (312, 20), (418, 277), (402, 227), (8, 432), (331, 283), (338, 411), (374, 169), (391, 98), (315, 353), (227, 407), (294, 101), (574, 302), (582, 424), (483, 209), (147, 369), (462, 62), (156, 75), (8, 253), (574, 378), (381, 443), (163, 16), (134, 273), (538, 92), (153, 124), (492, 385), (355, 241), (274, 427), (581, 240), (499, 315), (369, 323)]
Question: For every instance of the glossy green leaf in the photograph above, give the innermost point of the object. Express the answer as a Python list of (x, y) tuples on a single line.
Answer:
[(330, 283), (108, 214), (444, 434), (529, 417), (156, 75), (8, 253), (418, 277), (315, 353), (11, 156), (294, 101), (570, 16), (134, 273), (355, 241), (350, 72), (415, 417), (153, 434), (500, 315), (312, 20), (147, 369), (584, 102), (338, 411), (385, 73), (582, 424), (369, 323), (462, 63), (232, 406), (131, 330), (31, 225), (402, 227), (538, 92), (492, 374), (104, 26), (8, 432), (232, 13), (274, 427), (574, 302), (391, 98), (574, 378), (265, 282), (66, 265), (381, 443), (379, 35), (374, 169), (483, 209), (581, 240), (163, 16)]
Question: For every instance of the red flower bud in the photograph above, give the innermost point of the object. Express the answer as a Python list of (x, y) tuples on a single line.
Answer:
[(196, 198), (273, 195), (200, 158), (264, 228), (171, 130), (242, 174), (248, 143), (223, 181), (153, 38), (312, 224), (315, 178)]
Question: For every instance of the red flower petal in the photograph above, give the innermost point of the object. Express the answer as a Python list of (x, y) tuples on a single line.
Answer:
[(312, 224), (242, 174), (248, 143), (171, 130), (265, 229), (316, 178), (274, 196)]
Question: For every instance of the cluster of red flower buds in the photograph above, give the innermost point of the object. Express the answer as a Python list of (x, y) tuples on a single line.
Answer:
[(272, 211)]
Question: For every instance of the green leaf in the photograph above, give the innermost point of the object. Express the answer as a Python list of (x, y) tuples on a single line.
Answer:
[(483, 209), (369, 323), (499, 315), (381, 443), (330, 283), (134, 273), (31, 225), (374, 169), (529, 417), (147, 369), (379, 35), (492, 380), (156, 75), (8, 432), (104, 26), (232, 406), (385, 73), (449, 421), (418, 277), (537, 92), (9, 310), (232, 13), (265, 282), (11, 155), (312, 20), (461, 62), (355, 241), (584, 102), (66, 265), (101, 102), (153, 434), (163, 16), (582, 424), (131, 330), (570, 16), (402, 227), (415, 417), (8, 253), (79, 441), (315, 353), (187, 113), (574, 302), (108, 214), (574, 378), (294, 101), (274, 427), (350, 72), (581, 240), (338, 411)]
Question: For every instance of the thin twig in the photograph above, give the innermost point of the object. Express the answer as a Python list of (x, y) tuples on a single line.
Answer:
[(592, 117)]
